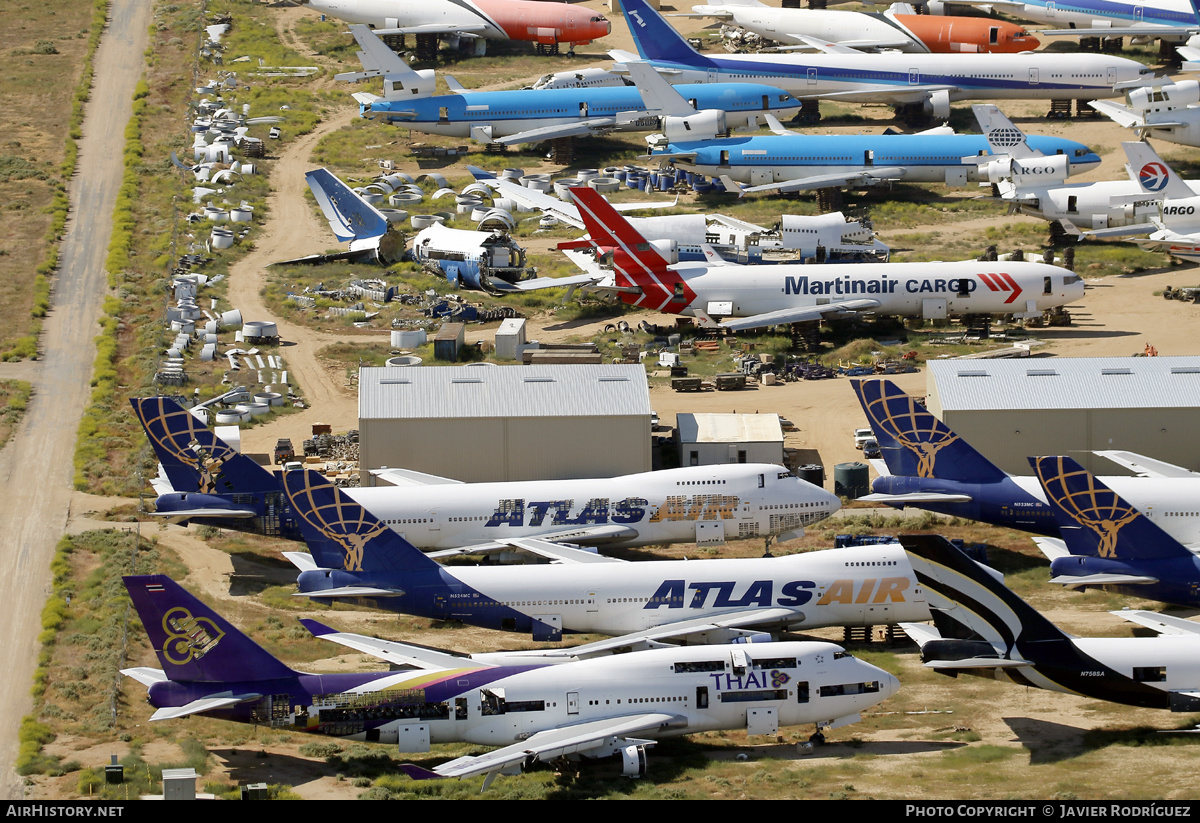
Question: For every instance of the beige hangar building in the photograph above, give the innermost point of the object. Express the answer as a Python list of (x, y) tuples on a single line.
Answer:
[(483, 422), (1009, 410)]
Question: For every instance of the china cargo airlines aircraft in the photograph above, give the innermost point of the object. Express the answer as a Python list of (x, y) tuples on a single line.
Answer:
[(932, 81), (892, 29), (538, 22), (757, 296), (353, 554), (535, 709), (207, 481)]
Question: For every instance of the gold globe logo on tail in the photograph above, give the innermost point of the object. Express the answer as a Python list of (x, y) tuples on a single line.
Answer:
[(1094, 507), (188, 638), (176, 432), (341, 520), (911, 426)]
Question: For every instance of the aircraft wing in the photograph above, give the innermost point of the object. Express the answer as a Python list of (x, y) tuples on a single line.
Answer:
[(547, 283), (916, 498), (796, 315), (407, 477), (204, 704), (550, 744), (1146, 466), (434, 28), (195, 514), (1080, 581), (576, 129), (558, 553), (1161, 623), (1121, 115), (1120, 231), (863, 176), (1126, 31), (398, 653), (550, 545)]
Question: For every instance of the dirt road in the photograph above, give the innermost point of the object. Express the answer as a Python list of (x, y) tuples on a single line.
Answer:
[(36, 467)]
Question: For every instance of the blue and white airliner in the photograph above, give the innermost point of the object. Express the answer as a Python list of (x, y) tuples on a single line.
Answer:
[(932, 81)]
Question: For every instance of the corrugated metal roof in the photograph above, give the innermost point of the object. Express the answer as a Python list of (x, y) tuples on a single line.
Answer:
[(1068, 383), (729, 428), (503, 391)]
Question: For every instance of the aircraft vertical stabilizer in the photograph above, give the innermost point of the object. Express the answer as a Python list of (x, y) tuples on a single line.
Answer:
[(1095, 521), (343, 535), (914, 442), (193, 642), (1155, 177), (195, 459), (654, 37)]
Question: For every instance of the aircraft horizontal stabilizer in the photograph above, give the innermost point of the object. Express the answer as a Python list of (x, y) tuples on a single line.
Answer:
[(978, 663), (1161, 623), (1052, 547), (302, 561), (146, 675), (1083, 581), (1121, 115), (916, 498), (1145, 466), (554, 743), (204, 704), (400, 654), (352, 591), (195, 514), (546, 283)]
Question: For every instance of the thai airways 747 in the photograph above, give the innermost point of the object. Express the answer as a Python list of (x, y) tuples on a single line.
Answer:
[(535, 709), (758, 296), (208, 481)]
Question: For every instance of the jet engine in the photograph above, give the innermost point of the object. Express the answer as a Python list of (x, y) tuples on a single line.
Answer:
[(703, 125), (1027, 171), (1165, 98), (424, 86), (633, 761), (937, 104)]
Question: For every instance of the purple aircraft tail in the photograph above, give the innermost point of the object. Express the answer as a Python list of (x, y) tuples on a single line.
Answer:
[(194, 643)]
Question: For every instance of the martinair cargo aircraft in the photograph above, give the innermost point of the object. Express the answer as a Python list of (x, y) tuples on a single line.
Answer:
[(932, 81), (753, 297), (899, 28), (790, 161), (355, 555), (928, 466), (208, 481), (981, 628), (537, 22), (525, 116), (533, 709)]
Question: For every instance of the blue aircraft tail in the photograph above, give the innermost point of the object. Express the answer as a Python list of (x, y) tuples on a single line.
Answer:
[(1097, 522), (350, 217), (195, 459), (914, 442), (193, 642), (343, 535), (654, 37)]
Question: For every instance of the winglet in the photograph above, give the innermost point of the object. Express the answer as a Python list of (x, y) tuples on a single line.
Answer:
[(315, 628), (417, 773)]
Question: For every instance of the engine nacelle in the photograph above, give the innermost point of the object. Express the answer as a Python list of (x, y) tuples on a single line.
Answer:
[(937, 104), (1028, 171), (949, 649), (425, 85), (1164, 98), (703, 125), (633, 761)]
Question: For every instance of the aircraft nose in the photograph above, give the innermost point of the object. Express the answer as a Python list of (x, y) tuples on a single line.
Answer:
[(889, 684), (833, 502)]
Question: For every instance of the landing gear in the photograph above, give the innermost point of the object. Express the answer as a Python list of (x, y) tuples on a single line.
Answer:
[(817, 739)]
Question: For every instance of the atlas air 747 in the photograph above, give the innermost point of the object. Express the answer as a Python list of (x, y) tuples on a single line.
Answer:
[(931, 467), (535, 709), (930, 81), (354, 554), (208, 481), (758, 296)]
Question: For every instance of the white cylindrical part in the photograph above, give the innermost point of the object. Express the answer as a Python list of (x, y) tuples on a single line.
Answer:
[(241, 215), (231, 318)]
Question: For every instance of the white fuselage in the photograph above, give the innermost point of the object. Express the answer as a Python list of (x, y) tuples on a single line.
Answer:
[(706, 503), (1169, 502), (699, 688), (856, 586), (929, 290), (390, 14)]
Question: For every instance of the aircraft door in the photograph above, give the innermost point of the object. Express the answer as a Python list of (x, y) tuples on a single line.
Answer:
[(933, 308), (710, 532), (1034, 77), (914, 77), (812, 77), (1110, 73), (572, 702), (547, 628)]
